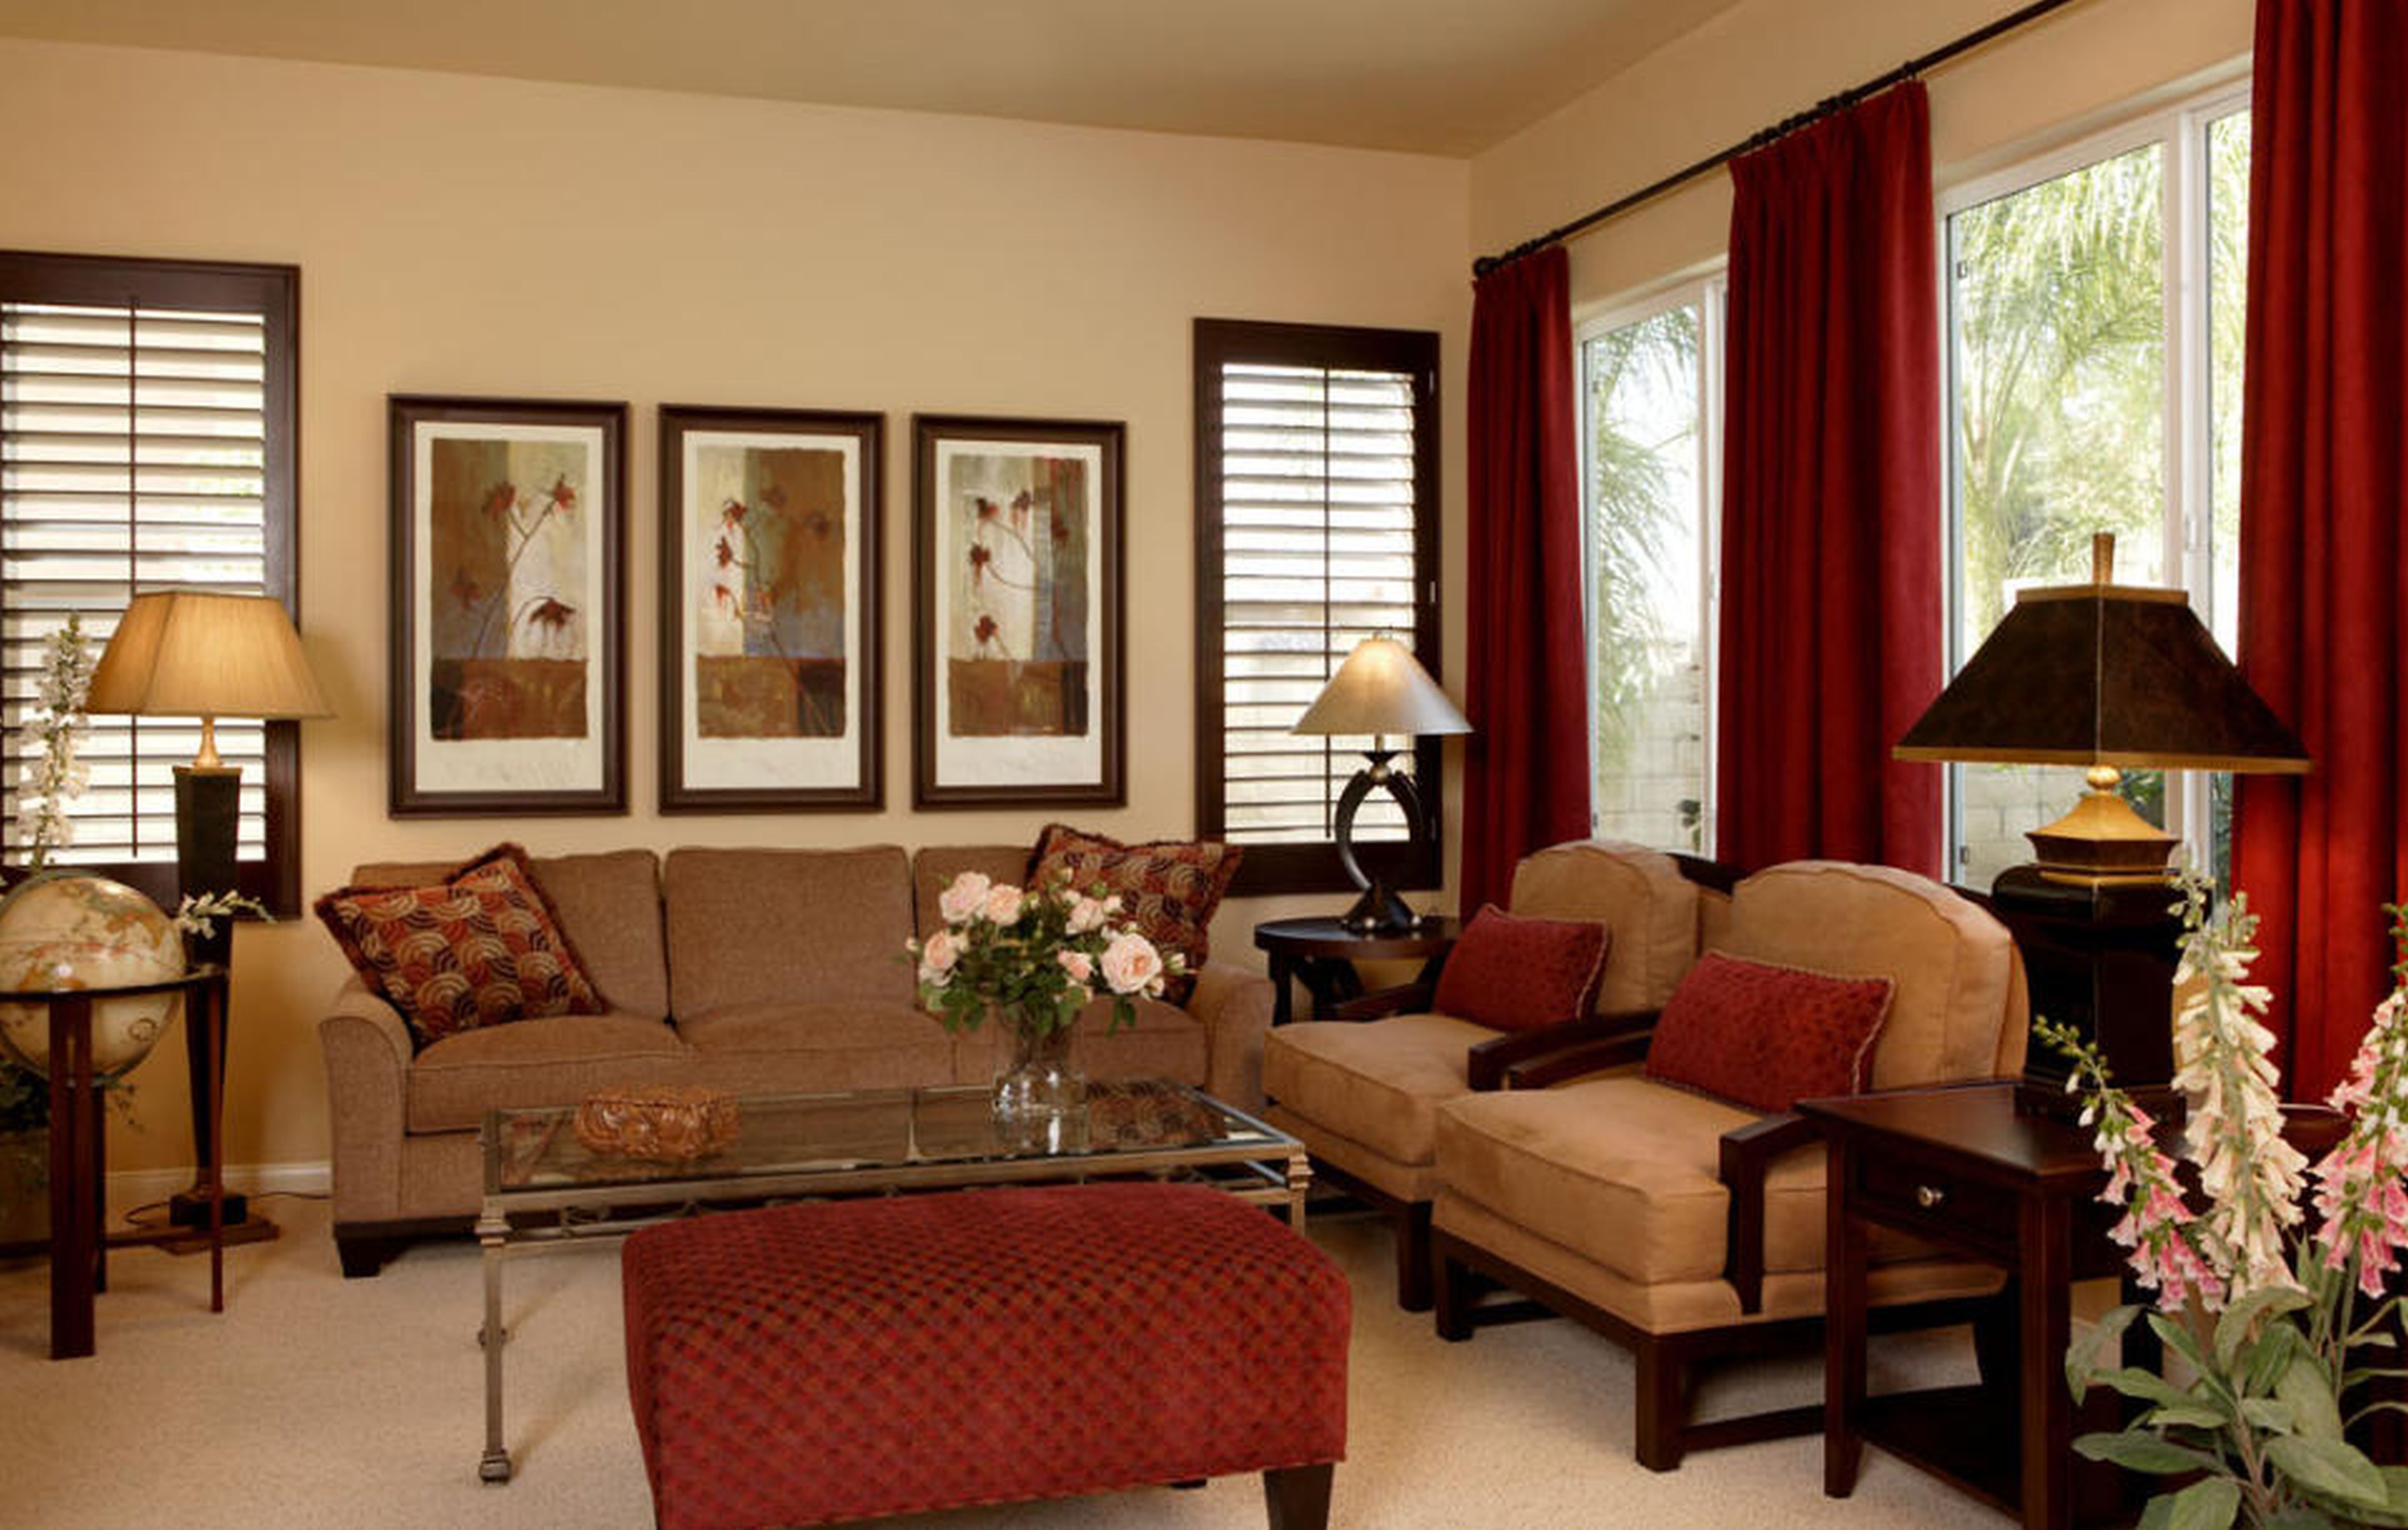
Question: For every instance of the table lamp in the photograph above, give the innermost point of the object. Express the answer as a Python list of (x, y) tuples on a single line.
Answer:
[(2108, 678), (193, 653), (1378, 691)]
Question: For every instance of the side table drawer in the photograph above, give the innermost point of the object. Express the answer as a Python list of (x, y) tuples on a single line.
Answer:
[(1933, 1199)]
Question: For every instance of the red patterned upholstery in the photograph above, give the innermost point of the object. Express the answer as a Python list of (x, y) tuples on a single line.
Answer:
[(1169, 888), (1513, 973), (483, 947), (1767, 1037), (841, 1360)]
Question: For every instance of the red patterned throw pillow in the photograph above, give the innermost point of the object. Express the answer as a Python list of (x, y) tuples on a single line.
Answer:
[(1767, 1037), (483, 947), (1514, 974), (1169, 888)]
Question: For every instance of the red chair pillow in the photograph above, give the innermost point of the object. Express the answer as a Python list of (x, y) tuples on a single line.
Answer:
[(1514, 974), (481, 947), (1169, 888), (1767, 1037)]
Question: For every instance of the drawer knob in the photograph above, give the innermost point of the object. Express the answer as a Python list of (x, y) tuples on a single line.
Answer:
[(1929, 1197)]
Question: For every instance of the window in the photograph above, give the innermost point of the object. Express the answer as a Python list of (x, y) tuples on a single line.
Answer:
[(1652, 404), (2095, 314), (147, 441), (1316, 506)]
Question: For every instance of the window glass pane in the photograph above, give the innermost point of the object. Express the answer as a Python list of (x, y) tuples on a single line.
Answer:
[(1646, 508), (2057, 308), (2227, 274)]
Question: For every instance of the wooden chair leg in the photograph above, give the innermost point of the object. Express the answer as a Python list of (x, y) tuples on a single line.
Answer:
[(1414, 1257), (1660, 1405), (1297, 1497), (1455, 1298)]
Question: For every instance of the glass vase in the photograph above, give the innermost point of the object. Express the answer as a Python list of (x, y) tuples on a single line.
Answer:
[(1040, 1095)]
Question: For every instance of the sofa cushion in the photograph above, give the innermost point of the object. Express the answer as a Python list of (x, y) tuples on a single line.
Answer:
[(1638, 894), (1510, 973), (782, 926), (1767, 1037), (1169, 888), (610, 909), (536, 1063), (481, 946), (1952, 963), (1379, 1083), (1626, 1173), (786, 1046)]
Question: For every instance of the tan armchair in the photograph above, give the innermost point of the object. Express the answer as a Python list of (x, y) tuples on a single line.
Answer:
[(1363, 1096), (1686, 1228)]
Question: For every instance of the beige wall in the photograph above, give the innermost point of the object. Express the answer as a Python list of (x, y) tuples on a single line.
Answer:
[(1759, 61), (473, 236)]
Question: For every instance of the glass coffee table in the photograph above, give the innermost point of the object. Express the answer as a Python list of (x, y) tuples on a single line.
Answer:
[(545, 1189)]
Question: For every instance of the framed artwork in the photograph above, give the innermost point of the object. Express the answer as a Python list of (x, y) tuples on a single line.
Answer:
[(508, 669), (1016, 623), (769, 635)]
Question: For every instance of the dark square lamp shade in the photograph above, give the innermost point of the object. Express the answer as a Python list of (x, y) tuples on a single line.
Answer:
[(2108, 678), (1380, 690)]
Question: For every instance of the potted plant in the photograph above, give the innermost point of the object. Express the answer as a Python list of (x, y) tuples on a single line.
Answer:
[(2283, 1321)]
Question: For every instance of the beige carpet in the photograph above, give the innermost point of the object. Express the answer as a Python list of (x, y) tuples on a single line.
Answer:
[(318, 1402)]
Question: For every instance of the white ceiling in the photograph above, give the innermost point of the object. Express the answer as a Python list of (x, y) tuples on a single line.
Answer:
[(1441, 77)]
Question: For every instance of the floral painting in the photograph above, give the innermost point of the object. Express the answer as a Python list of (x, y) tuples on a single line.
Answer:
[(1019, 693), (506, 689), (769, 626)]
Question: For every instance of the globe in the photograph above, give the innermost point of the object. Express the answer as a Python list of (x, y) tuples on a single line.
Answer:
[(66, 930)]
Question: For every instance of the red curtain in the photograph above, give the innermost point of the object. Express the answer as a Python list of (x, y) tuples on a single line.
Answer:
[(1526, 765), (2322, 581), (1831, 551)]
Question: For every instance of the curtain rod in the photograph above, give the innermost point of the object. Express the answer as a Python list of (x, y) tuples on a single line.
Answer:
[(1830, 105)]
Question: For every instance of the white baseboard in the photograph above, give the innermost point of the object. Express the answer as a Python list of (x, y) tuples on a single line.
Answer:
[(142, 1186)]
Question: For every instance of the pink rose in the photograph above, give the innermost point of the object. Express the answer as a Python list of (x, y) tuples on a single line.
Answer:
[(1077, 964), (1132, 965), (1086, 914), (1002, 903), (937, 956), (961, 900)]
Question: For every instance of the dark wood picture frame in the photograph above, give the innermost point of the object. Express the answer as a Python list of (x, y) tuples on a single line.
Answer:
[(952, 769), (755, 788), (600, 784)]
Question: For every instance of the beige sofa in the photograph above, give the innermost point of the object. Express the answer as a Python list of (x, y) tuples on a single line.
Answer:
[(757, 971)]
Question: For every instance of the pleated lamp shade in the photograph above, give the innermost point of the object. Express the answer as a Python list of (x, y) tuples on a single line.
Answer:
[(189, 653)]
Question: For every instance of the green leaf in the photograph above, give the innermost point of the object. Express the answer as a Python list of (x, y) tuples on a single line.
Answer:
[(2137, 1450), (2234, 1328), (2179, 1339), (2083, 1359), (2270, 1358), (2187, 1416), (2299, 1517), (2307, 1386), (2210, 1505), (2328, 1467), (2270, 1413), (2147, 1385), (2157, 1513)]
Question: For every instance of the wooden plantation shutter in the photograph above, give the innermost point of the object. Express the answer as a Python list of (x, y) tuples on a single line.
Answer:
[(146, 443), (1317, 507)]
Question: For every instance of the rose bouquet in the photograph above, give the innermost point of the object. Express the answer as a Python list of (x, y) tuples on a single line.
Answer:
[(1035, 957), (2273, 1317)]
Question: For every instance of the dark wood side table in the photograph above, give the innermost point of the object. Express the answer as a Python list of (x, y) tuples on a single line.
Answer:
[(1321, 953), (78, 1160), (1960, 1168)]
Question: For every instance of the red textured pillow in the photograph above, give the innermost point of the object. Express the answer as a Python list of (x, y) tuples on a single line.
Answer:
[(483, 947), (1169, 888), (1514, 974), (1767, 1037)]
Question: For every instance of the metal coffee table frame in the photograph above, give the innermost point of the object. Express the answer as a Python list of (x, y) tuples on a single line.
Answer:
[(553, 1209)]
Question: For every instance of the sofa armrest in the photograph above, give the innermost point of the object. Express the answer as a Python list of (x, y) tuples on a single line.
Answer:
[(1234, 1007), (1515, 1061), (1404, 999), (1748, 1152), (368, 1054)]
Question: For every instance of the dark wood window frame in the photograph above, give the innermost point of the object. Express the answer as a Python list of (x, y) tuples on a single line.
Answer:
[(273, 293), (1312, 867)]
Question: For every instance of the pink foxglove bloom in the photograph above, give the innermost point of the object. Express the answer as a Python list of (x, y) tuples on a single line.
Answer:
[(2362, 1205)]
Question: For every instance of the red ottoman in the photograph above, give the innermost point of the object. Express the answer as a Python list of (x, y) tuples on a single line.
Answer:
[(848, 1359)]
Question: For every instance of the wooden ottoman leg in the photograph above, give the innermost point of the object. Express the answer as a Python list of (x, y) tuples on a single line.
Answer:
[(1298, 1496)]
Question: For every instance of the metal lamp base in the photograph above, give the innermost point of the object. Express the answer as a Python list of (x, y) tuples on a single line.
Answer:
[(1379, 910)]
